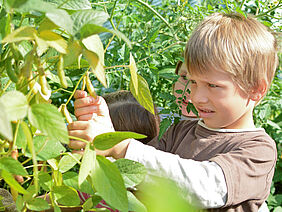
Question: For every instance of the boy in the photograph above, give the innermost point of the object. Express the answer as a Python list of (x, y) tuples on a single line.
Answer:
[(222, 160)]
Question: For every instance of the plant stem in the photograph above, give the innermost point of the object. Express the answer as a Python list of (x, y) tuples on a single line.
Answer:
[(242, 3), (270, 10), (157, 14), (76, 87), (117, 66), (6, 86)]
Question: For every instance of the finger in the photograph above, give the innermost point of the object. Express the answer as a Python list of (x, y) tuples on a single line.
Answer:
[(85, 110), (85, 101), (85, 117), (80, 94), (74, 144), (77, 125), (82, 134)]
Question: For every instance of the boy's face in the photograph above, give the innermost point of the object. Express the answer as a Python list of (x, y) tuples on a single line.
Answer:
[(220, 102), (180, 84)]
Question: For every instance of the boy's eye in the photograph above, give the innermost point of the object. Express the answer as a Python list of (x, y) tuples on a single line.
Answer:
[(184, 78), (212, 85), (192, 81)]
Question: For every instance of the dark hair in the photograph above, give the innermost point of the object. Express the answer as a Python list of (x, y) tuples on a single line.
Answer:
[(128, 115)]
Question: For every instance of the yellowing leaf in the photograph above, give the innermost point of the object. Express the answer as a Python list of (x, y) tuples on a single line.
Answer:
[(133, 73), (20, 34), (143, 94), (97, 67), (54, 40), (74, 51), (41, 44), (94, 44)]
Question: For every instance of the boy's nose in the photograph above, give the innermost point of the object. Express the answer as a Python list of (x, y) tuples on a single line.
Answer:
[(199, 95)]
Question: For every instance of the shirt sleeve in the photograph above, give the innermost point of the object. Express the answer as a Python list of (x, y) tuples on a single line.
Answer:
[(203, 180)]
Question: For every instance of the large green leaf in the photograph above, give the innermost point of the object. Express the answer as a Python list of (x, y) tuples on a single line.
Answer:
[(45, 181), (143, 95), (87, 164), (82, 17), (45, 148), (74, 50), (37, 204), (13, 166), (91, 29), (108, 140), (58, 16), (72, 4), (49, 120), (5, 124), (10, 180), (71, 179), (15, 104), (133, 173), (68, 161), (20, 34), (66, 195), (134, 204), (16, 3), (109, 183)]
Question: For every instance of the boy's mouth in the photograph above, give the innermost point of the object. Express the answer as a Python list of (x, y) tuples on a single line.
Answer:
[(204, 112)]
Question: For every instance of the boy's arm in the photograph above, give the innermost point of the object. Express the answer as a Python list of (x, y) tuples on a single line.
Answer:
[(204, 181)]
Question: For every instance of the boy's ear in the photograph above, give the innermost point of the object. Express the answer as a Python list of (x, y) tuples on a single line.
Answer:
[(259, 91)]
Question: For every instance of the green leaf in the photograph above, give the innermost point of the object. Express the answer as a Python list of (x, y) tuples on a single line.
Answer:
[(68, 161), (168, 73), (143, 95), (45, 148), (134, 204), (74, 50), (20, 202), (75, 5), (20, 34), (13, 166), (15, 104), (109, 183), (45, 181), (21, 141), (49, 120), (133, 73), (16, 3), (108, 140), (133, 173), (10, 180), (87, 164), (71, 179), (82, 17), (91, 29), (66, 195), (37, 204), (5, 124), (164, 125)]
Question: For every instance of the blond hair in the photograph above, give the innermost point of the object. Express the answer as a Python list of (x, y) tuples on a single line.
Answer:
[(232, 43)]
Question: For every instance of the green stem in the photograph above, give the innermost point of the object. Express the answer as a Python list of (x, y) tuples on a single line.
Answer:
[(272, 9), (117, 66), (6, 87), (157, 14), (76, 87), (242, 3), (79, 139)]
